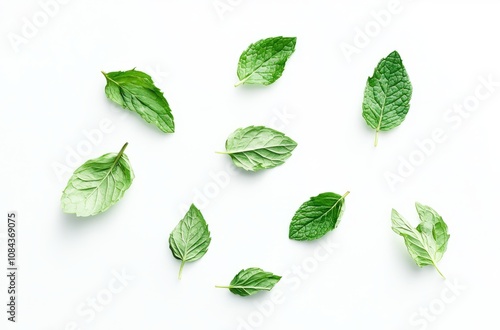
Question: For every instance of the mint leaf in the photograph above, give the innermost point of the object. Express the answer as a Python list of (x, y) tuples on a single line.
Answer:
[(387, 95), (263, 62), (135, 91), (426, 243), (250, 281), (257, 147), (190, 239), (98, 184), (317, 217)]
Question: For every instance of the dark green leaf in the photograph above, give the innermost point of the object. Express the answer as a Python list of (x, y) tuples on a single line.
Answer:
[(135, 91), (387, 95), (317, 217)]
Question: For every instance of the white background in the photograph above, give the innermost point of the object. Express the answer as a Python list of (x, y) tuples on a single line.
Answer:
[(52, 91)]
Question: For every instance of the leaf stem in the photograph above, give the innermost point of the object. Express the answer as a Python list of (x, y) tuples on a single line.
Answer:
[(340, 199), (180, 270), (222, 152), (435, 266), (108, 78), (122, 149), (376, 138), (241, 82), (345, 195), (223, 287), (120, 153)]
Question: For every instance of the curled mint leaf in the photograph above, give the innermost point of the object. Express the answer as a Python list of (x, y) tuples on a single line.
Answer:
[(427, 242), (134, 90)]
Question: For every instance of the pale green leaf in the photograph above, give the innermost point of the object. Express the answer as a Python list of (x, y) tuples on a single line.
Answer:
[(250, 281), (190, 239), (263, 62), (427, 242), (256, 148), (97, 184)]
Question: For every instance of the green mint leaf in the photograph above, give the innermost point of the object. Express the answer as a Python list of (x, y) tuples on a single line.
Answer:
[(257, 147), (387, 95), (263, 62), (316, 217), (190, 239), (98, 184), (428, 241), (250, 281), (135, 91)]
